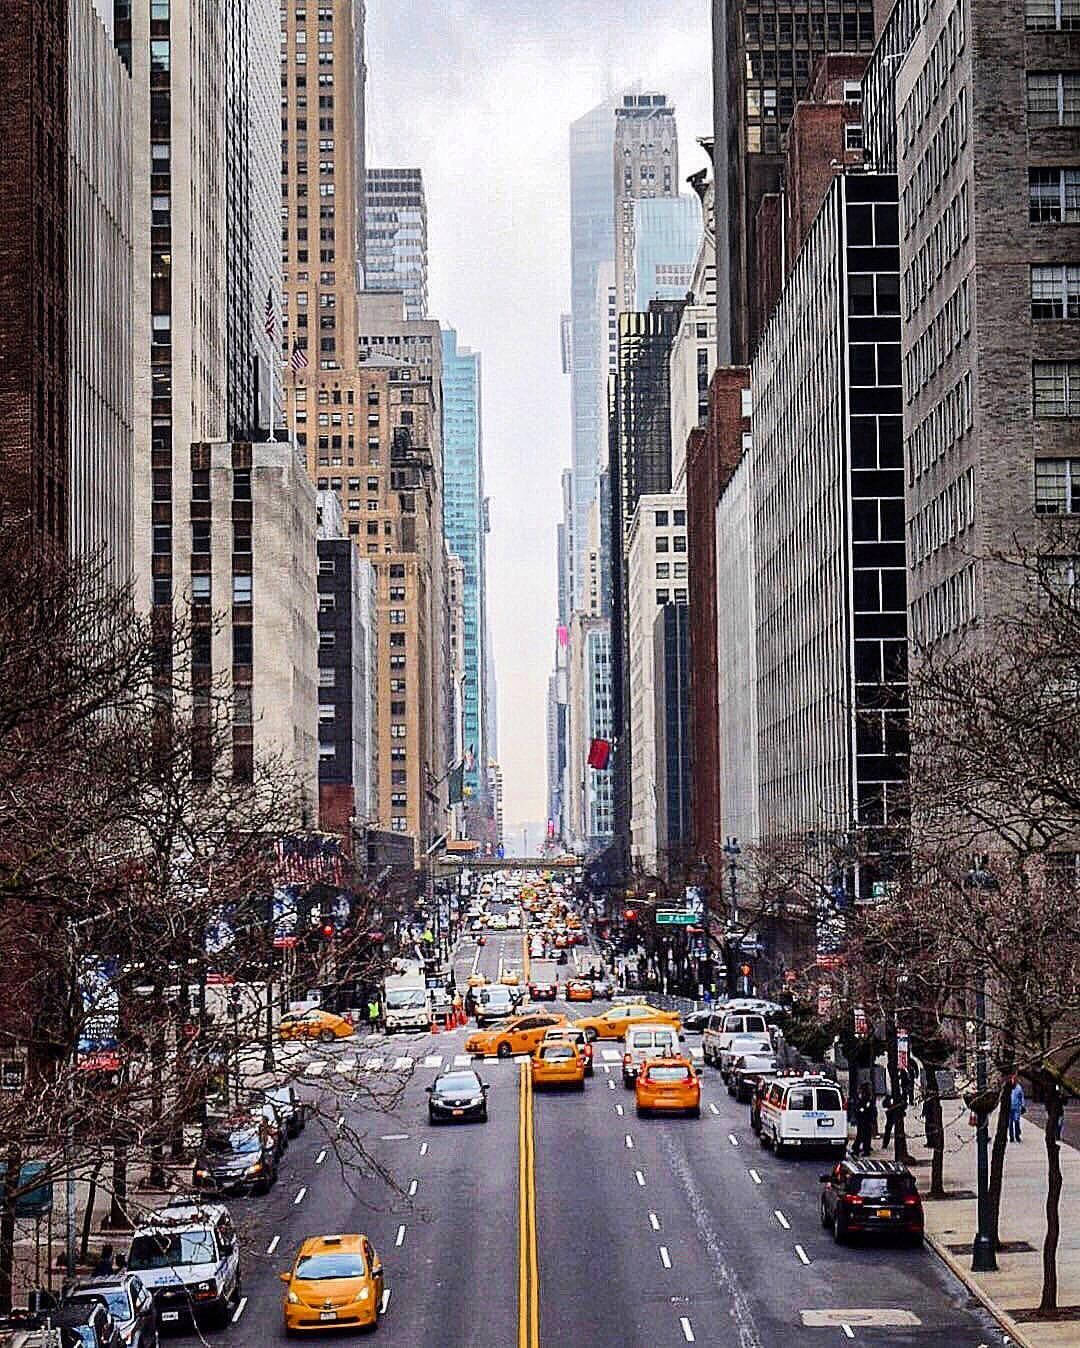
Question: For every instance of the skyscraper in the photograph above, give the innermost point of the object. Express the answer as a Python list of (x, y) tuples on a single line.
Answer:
[(464, 524), (592, 244), (761, 66), (667, 236), (395, 231), (646, 165)]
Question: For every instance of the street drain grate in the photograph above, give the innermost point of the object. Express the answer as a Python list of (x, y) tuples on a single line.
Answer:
[(1004, 1247), (951, 1196)]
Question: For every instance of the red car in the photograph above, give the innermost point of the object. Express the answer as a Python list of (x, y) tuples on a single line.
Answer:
[(543, 992)]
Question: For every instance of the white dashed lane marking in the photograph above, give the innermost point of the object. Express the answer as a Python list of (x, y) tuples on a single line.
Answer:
[(239, 1309), (640, 1178), (713, 1109), (273, 1245), (399, 1239), (654, 1221), (687, 1329), (321, 1157), (665, 1258), (413, 1186), (402, 1063), (433, 1060), (801, 1254), (733, 1139), (300, 1196), (629, 1142), (782, 1220), (755, 1176)]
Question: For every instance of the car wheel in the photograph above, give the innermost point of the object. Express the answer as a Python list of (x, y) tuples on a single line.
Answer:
[(504, 1050), (581, 1084), (484, 1115), (641, 1112), (695, 1112), (779, 1150), (327, 1036), (838, 1232), (628, 1082), (431, 1117)]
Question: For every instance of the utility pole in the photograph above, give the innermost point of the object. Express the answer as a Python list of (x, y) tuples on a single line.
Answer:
[(732, 851)]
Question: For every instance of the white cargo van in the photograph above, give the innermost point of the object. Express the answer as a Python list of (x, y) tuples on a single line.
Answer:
[(803, 1113)]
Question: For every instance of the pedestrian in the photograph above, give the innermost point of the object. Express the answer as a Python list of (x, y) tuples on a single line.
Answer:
[(470, 1003), (105, 1264), (865, 1120), (895, 1107), (373, 1014), (1017, 1108), (905, 1085)]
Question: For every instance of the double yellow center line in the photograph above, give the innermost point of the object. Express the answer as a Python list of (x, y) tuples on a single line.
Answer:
[(528, 1258)]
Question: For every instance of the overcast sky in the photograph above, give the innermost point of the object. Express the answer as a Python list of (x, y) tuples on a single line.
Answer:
[(480, 95)]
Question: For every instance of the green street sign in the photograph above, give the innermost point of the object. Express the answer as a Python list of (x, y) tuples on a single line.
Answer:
[(675, 917)]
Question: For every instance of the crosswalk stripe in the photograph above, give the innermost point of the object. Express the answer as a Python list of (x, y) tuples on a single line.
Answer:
[(345, 1065), (610, 1054), (373, 1064), (316, 1068), (401, 1064), (462, 1060), (433, 1060)]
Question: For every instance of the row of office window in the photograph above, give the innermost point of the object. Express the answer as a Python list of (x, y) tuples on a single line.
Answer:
[(943, 519), (934, 163), (1054, 196), (1047, 16), (1057, 486), (948, 419), (940, 246), (1056, 388), (946, 608), (936, 343), (934, 75)]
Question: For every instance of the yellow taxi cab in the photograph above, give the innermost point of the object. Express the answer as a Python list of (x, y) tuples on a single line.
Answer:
[(510, 977), (570, 1034), (517, 1034), (668, 1084), (614, 1023), (314, 1024), (579, 990), (558, 1063), (477, 981), (336, 1282)]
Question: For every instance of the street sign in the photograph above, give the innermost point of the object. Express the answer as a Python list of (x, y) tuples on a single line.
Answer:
[(673, 917)]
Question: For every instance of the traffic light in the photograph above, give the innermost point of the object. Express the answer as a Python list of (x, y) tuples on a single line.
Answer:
[(630, 914), (327, 930), (745, 971)]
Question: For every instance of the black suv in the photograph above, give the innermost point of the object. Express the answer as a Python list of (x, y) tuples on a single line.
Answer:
[(871, 1198)]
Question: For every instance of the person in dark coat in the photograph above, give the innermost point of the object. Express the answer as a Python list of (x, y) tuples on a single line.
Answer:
[(865, 1120), (895, 1106)]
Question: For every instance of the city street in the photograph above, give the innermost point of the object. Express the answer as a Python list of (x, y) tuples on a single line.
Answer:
[(647, 1232)]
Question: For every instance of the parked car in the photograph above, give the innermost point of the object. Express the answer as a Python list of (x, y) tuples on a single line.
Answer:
[(746, 1071), (694, 1022), (731, 1034), (91, 1321), (241, 1157), (494, 1002), (872, 1198), (290, 1108), (128, 1302)]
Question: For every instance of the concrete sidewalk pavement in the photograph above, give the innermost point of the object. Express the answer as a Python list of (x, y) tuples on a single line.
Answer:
[(1016, 1287)]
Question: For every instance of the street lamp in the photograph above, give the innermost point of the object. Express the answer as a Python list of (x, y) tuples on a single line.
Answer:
[(983, 1255)]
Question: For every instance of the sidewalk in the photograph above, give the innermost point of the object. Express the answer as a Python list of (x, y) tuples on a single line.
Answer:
[(950, 1224)]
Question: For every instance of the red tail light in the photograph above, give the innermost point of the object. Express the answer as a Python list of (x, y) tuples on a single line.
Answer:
[(912, 1200), (853, 1200)]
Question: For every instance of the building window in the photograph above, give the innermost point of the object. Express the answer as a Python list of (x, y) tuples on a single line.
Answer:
[(243, 644), (200, 588), (200, 536), (1054, 195), (853, 136), (1050, 15), (1056, 388), (326, 641), (680, 570), (662, 596), (660, 518), (1057, 486), (1055, 292), (399, 824), (662, 544), (327, 712), (663, 570), (398, 731), (327, 678), (678, 518), (678, 543), (241, 589), (327, 751), (1053, 98), (397, 616)]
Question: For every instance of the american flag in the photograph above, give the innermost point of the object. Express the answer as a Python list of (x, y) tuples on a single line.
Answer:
[(270, 314), (298, 359)]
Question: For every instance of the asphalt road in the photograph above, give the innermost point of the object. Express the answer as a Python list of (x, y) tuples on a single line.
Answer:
[(649, 1232)]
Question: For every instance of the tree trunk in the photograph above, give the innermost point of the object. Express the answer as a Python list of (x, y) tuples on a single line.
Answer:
[(935, 1140), (118, 1215), (997, 1164), (7, 1226), (88, 1215), (156, 1178), (1054, 1108)]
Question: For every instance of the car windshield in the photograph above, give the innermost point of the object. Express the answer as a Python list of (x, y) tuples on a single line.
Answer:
[(881, 1186), (115, 1299), (669, 1073), (231, 1144), (458, 1081), (171, 1249), (400, 998), (340, 1264)]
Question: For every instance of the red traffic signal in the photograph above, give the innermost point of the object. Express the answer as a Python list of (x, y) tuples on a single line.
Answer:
[(328, 930), (630, 914), (745, 971)]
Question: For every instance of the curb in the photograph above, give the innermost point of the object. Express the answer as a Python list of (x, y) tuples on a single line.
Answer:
[(1004, 1319)]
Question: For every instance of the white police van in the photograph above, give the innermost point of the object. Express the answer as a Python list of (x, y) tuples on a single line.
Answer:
[(188, 1258), (803, 1114)]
